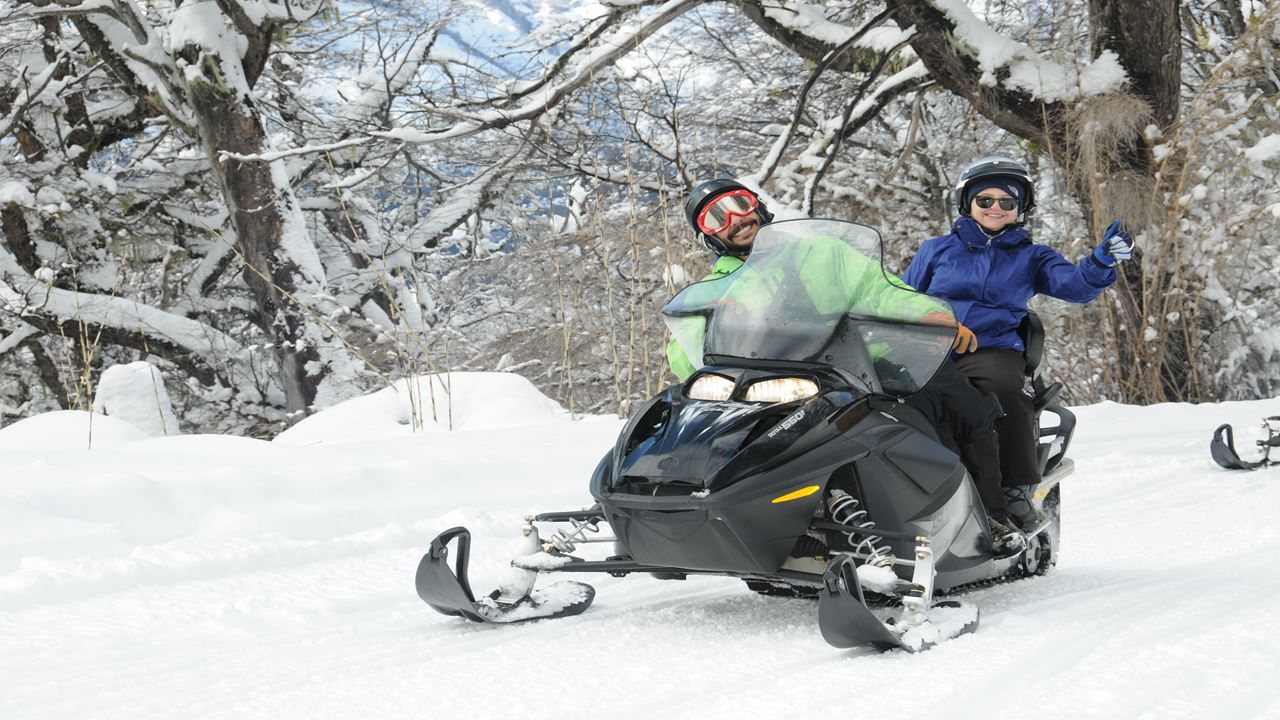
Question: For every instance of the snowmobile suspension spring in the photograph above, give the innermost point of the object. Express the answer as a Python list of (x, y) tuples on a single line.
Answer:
[(567, 542), (845, 511)]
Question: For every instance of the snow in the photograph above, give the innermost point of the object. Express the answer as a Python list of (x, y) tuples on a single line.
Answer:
[(67, 430), (1265, 149), (203, 25), (372, 91), (1028, 71), (118, 312), (135, 393), (222, 577), (809, 20), (431, 403), (295, 241), (14, 192)]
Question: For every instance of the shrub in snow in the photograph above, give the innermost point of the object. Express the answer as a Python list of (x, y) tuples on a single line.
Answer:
[(135, 393)]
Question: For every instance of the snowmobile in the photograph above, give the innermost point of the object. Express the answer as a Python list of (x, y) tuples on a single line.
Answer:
[(1223, 446), (789, 460)]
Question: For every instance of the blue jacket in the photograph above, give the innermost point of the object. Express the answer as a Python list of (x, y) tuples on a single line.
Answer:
[(990, 280)]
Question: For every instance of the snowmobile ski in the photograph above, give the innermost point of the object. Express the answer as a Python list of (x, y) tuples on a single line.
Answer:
[(1223, 447), (846, 622), (448, 591)]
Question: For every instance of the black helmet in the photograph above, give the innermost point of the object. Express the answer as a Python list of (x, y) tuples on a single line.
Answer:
[(994, 166), (707, 190)]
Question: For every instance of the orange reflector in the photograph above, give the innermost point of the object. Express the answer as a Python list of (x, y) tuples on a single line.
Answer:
[(802, 492)]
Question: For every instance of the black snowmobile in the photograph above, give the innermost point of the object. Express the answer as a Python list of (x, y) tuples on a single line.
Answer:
[(789, 460)]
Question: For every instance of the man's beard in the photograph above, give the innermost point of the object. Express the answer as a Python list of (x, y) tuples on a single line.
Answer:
[(738, 230)]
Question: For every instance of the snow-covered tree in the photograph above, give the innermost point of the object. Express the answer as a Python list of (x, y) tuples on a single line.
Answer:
[(287, 203)]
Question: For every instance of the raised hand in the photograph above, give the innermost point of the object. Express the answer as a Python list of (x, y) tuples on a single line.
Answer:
[(1116, 246)]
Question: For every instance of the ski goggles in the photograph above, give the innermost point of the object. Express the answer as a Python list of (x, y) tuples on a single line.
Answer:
[(716, 215), (1006, 203)]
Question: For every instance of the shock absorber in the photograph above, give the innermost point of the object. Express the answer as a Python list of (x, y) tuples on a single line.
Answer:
[(845, 510), (567, 542)]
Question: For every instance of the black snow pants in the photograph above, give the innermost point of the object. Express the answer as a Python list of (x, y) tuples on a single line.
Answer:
[(966, 419), (1000, 372)]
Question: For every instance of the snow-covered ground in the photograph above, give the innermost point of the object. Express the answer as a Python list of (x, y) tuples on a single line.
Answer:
[(221, 577)]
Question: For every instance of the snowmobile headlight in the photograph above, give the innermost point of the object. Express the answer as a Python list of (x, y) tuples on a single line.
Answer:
[(716, 388), (780, 390)]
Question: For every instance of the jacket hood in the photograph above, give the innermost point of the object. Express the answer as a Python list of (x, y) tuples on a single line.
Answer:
[(968, 230)]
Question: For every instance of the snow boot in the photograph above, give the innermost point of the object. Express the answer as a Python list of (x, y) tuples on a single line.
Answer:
[(1006, 540), (1020, 503)]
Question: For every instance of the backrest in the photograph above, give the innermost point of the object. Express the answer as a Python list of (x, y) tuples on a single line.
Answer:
[(1032, 333)]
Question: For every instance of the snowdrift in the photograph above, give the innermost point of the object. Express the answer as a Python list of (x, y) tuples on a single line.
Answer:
[(437, 402)]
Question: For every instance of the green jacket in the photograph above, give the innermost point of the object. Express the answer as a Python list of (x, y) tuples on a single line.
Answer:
[(680, 365), (835, 277)]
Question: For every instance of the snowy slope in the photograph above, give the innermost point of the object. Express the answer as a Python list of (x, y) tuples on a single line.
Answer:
[(220, 577)]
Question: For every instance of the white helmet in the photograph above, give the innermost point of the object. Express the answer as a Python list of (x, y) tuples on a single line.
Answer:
[(994, 166)]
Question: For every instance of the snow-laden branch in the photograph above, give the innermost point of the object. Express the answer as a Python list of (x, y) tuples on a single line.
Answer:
[(465, 201), (806, 30), (259, 12), (135, 54), (274, 155), (1265, 149), (380, 84), (14, 340), (1027, 70), (608, 174), (862, 108), (601, 58), (30, 297), (519, 90), (31, 90), (811, 21), (780, 145)]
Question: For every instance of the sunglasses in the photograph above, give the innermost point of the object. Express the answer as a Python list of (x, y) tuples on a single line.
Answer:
[(716, 215), (1006, 203)]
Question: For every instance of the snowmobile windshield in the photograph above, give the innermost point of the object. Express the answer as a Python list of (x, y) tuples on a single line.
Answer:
[(815, 292)]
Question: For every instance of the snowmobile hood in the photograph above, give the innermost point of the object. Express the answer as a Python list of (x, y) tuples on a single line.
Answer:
[(681, 446), (696, 443)]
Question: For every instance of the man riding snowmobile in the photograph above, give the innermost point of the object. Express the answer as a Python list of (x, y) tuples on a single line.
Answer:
[(787, 460), (726, 215)]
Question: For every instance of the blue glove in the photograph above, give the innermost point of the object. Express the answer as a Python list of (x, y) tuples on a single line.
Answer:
[(1116, 246)]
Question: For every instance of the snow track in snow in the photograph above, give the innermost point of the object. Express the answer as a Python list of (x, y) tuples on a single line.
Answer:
[(242, 580)]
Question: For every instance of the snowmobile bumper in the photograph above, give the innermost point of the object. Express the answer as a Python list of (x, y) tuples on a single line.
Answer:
[(1223, 447), (448, 590)]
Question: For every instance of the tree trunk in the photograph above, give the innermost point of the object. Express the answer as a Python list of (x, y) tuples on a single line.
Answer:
[(229, 124), (1145, 35)]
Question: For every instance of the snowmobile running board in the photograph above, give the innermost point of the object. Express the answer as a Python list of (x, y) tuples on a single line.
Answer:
[(1223, 447), (449, 591)]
